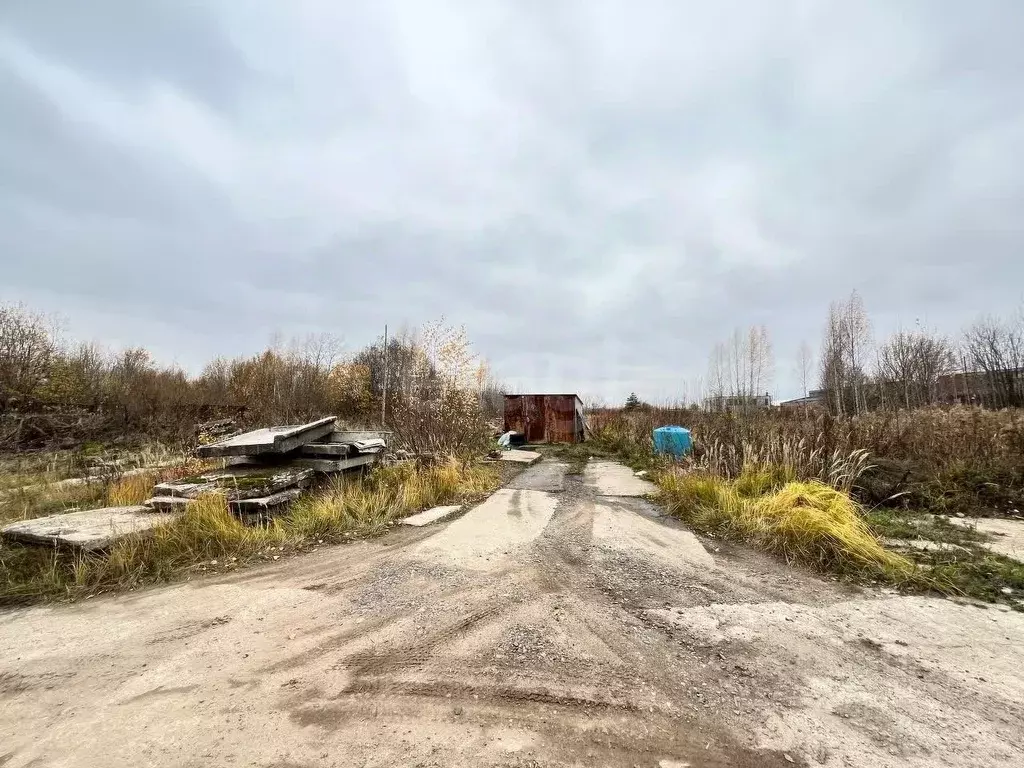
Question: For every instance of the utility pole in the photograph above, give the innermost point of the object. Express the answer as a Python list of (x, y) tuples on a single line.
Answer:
[(384, 394)]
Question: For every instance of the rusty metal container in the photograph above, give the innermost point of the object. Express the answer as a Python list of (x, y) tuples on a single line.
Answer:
[(545, 418)]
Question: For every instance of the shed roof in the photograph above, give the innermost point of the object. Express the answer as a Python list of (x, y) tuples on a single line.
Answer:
[(546, 394)]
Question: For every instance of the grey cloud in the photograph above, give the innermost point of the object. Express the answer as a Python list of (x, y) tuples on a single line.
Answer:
[(132, 45), (598, 191)]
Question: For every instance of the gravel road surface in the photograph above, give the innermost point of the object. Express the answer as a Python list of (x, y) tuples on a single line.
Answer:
[(555, 624)]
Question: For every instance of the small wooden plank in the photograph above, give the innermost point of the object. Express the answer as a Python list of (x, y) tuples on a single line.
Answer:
[(335, 465), (90, 530), (270, 439)]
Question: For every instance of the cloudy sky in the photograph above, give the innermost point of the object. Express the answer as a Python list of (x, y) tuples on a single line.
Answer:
[(598, 190)]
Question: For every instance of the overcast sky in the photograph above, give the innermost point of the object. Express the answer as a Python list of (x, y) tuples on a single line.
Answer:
[(599, 191)]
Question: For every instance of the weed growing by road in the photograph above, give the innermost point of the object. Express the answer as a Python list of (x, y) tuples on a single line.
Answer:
[(368, 504), (806, 522), (208, 535)]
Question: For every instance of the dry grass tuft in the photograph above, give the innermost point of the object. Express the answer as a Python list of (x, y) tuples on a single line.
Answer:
[(389, 493), (131, 490), (807, 522), (208, 531)]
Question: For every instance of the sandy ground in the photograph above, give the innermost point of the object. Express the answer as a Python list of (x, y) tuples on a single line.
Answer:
[(1006, 535), (538, 629)]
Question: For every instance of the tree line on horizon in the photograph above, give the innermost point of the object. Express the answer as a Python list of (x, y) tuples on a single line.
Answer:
[(426, 385), (853, 373)]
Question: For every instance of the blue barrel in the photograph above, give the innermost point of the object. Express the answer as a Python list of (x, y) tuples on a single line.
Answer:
[(675, 441)]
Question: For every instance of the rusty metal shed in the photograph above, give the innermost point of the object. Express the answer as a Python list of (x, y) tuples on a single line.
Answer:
[(545, 418)]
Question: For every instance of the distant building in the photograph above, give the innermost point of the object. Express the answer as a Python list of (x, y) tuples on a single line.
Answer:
[(978, 387), (816, 398), (737, 403)]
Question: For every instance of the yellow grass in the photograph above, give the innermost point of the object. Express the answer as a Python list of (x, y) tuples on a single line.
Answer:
[(205, 531), (387, 494), (208, 531), (808, 522), (131, 489)]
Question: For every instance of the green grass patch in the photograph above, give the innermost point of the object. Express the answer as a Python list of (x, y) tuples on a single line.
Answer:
[(976, 573), (908, 524)]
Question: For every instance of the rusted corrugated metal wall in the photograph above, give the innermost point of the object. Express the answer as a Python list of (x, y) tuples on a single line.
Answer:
[(560, 419), (545, 418)]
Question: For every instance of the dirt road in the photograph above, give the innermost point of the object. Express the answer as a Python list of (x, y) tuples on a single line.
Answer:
[(542, 628)]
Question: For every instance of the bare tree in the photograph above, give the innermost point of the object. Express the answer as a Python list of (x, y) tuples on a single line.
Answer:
[(740, 369), (844, 352), (910, 364), (717, 373), (804, 365), (738, 361), (833, 363), (857, 328), (995, 348), (760, 361)]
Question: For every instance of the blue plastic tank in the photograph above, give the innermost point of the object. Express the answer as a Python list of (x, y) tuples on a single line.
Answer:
[(675, 441)]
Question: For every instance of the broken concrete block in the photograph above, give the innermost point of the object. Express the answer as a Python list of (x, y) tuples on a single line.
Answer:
[(186, 488), (613, 479), (91, 530), (245, 482), (354, 436), (273, 503), (374, 445), (520, 457), (430, 516), (335, 465), (269, 440), (321, 449), (167, 503)]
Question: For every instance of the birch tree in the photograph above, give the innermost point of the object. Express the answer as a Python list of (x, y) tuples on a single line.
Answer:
[(804, 365)]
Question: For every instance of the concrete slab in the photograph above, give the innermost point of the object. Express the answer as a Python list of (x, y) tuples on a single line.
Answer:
[(480, 539), (270, 439), (625, 531), (335, 465), (613, 479), (241, 482), (93, 529), (265, 503), (355, 435), (320, 449), (167, 503), (1007, 534), (520, 457), (431, 516), (546, 476)]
